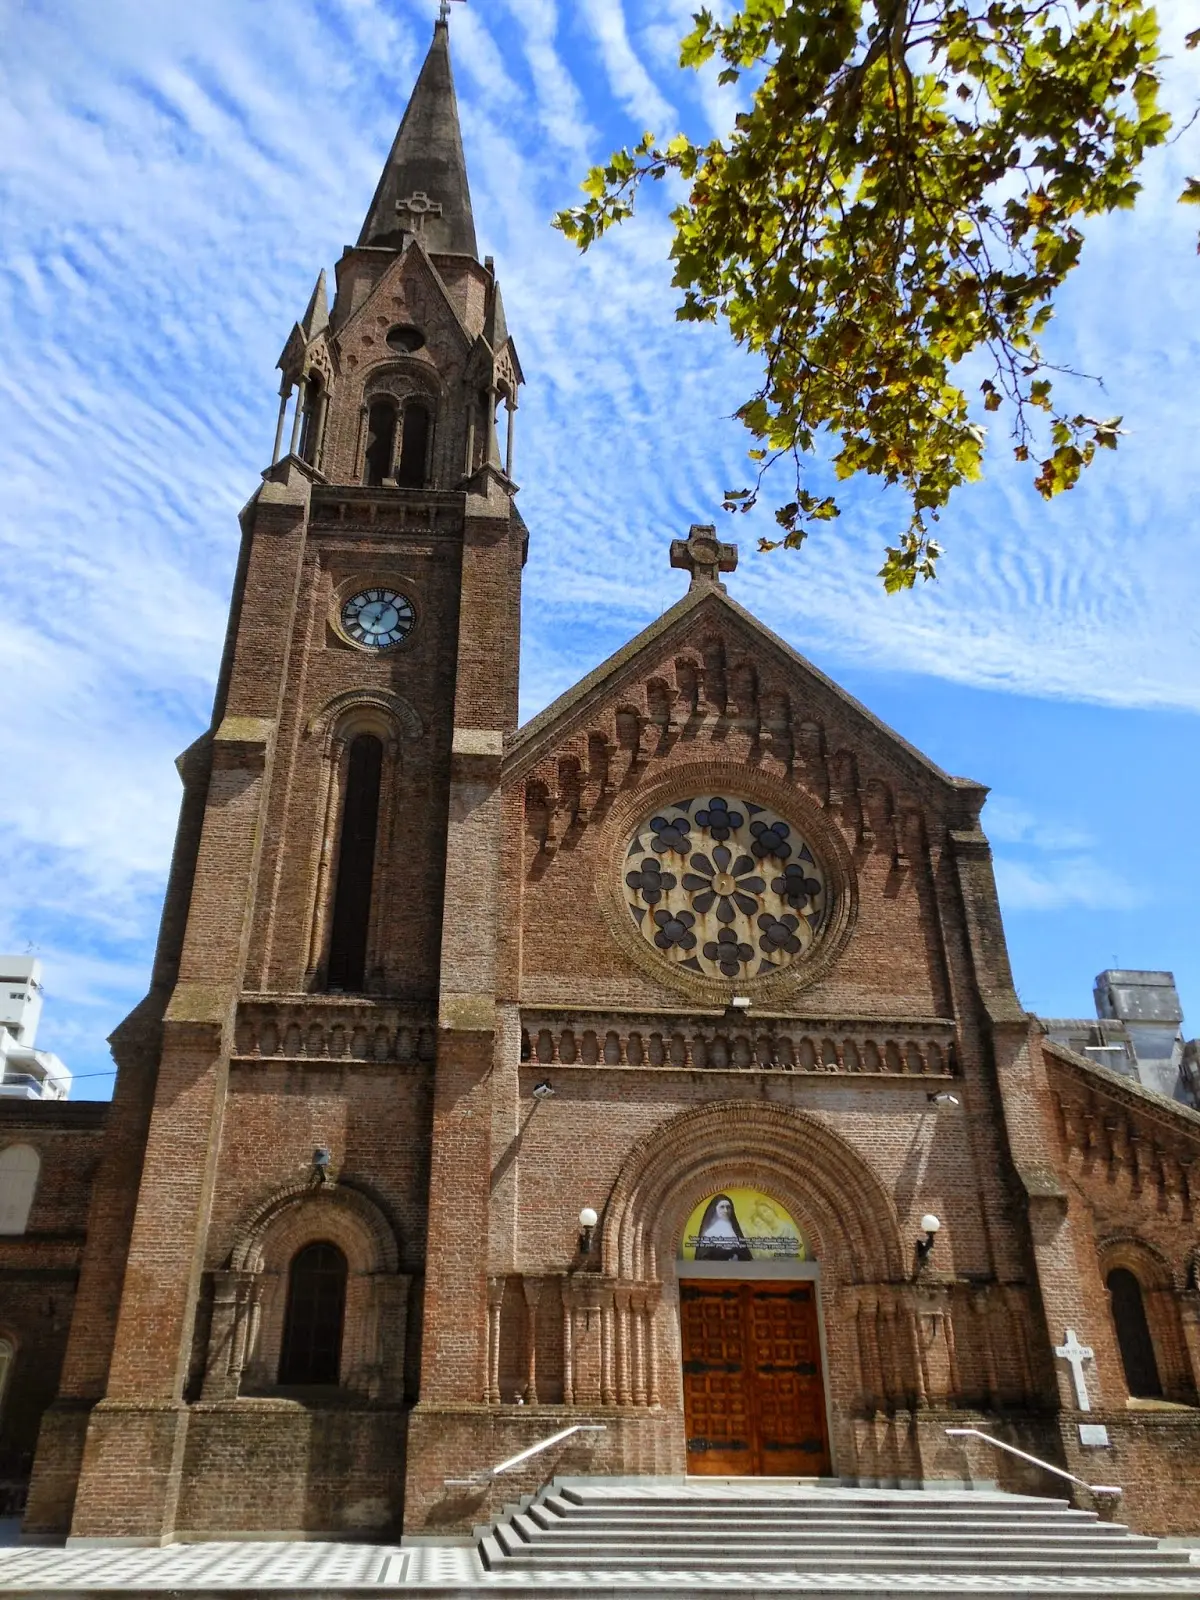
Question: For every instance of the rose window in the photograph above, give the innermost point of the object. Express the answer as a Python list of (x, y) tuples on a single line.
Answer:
[(724, 888)]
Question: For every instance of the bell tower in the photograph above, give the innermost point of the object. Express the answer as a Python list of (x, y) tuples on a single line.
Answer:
[(325, 979)]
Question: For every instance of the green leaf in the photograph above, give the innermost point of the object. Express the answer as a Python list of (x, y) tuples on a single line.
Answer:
[(884, 211)]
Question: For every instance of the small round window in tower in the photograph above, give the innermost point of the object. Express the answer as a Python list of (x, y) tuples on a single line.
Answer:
[(725, 888), (405, 338)]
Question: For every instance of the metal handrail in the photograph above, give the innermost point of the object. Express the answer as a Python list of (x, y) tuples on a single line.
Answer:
[(1059, 1472), (478, 1479)]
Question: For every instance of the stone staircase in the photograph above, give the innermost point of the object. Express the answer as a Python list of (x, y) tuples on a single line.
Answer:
[(585, 1531)]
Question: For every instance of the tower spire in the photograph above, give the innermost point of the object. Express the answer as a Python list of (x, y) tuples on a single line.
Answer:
[(423, 190)]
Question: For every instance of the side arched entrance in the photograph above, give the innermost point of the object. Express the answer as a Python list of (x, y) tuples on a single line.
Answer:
[(756, 1221)]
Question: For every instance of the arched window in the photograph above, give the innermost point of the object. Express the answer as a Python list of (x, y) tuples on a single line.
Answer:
[(356, 865), (314, 391), (316, 1307), (19, 1168), (414, 445), (1133, 1334), (381, 441)]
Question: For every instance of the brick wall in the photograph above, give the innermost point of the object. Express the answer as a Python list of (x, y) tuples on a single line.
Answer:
[(39, 1270)]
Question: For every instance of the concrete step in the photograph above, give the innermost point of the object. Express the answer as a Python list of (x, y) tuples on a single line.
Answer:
[(520, 1541), (701, 1489), (816, 1522), (597, 1533), (695, 1511), (696, 1508), (553, 1538), (614, 1566)]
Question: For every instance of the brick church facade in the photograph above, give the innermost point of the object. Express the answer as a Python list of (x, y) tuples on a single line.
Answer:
[(704, 950)]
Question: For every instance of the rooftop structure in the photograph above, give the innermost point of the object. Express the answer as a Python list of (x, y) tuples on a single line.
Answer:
[(25, 1072), (1137, 1031)]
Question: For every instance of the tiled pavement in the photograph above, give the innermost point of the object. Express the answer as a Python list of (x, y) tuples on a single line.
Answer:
[(347, 1569)]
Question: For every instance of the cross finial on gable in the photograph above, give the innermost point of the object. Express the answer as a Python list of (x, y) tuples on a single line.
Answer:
[(703, 555), (445, 11)]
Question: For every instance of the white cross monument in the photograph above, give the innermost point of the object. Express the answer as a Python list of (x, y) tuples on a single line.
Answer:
[(1076, 1354)]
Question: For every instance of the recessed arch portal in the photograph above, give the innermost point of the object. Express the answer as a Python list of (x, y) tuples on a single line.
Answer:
[(793, 1202), (843, 1209)]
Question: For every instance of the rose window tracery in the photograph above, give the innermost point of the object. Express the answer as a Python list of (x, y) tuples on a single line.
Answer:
[(725, 888)]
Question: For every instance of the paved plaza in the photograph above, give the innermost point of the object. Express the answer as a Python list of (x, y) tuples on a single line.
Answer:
[(234, 1567)]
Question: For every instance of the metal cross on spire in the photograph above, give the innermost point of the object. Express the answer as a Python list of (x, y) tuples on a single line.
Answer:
[(445, 12)]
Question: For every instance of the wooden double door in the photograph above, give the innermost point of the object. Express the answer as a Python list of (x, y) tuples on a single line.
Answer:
[(753, 1393)]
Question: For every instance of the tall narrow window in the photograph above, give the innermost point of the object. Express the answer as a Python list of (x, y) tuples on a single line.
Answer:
[(381, 441), (414, 445), (356, 865), (1133, 1334), (314, 391), (19, 1168), (7, 1354), (316, 1308)]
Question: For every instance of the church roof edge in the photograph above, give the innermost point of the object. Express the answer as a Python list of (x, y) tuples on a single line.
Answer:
[(1120, 1087), (529, 739)]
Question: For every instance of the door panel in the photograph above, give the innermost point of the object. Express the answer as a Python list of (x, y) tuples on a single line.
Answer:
[(785, 1352), (754, 1401), (715, 1395)]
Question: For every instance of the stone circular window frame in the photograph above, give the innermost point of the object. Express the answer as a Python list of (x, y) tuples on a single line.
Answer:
[(402, 347), (701, 778), (349, 587)]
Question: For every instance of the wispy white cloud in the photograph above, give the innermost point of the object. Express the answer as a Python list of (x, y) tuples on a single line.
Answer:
[(1057, 885), (631, 83), (1009, 822), (1052, 864)]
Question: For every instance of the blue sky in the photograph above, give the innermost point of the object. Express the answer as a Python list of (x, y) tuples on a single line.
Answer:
[(173, 176)]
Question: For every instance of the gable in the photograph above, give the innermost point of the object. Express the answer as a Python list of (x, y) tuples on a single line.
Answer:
[(707, 660), (706, 703), (410, 290)]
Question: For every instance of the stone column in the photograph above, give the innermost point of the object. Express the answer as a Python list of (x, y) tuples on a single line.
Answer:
[(285, 390), (532, 1288), (232, 1293), (297, 418), (495, 1301), (1189, 1314), (621, 1298)]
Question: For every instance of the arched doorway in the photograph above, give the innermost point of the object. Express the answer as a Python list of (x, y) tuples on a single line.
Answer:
[(754, 1392), (846, 1234)]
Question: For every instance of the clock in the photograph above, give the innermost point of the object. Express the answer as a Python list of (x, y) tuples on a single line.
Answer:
[(378, 618)]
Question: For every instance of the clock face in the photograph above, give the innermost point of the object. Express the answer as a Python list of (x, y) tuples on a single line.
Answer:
[(378, 618)]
